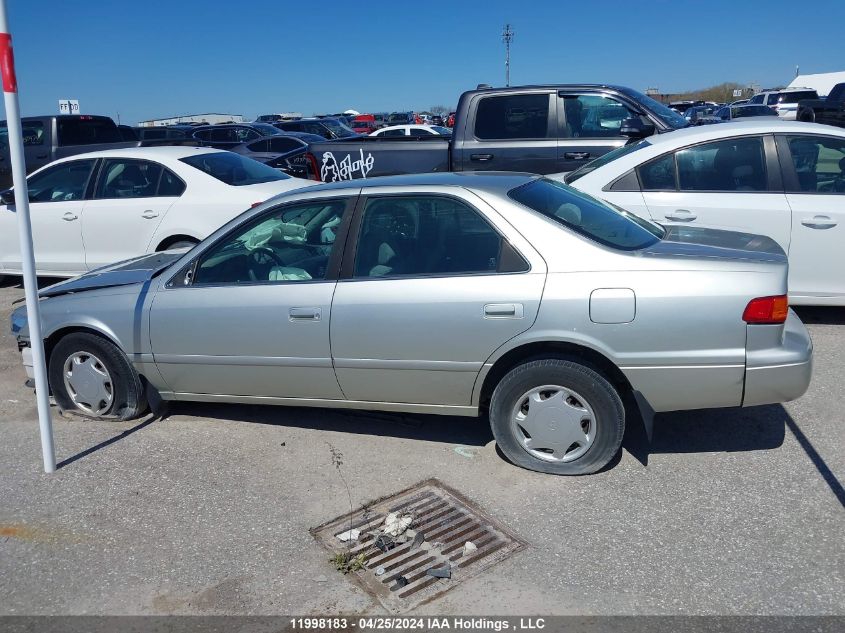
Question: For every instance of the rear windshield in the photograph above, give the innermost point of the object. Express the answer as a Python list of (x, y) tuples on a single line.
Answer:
[(266, 129), (75, 131), (584, 214), (234, 169), (605, 159), (796, 96)]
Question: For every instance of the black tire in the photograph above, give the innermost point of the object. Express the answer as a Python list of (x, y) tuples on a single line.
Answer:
[(806, 115), (128, 400), (603, 399)]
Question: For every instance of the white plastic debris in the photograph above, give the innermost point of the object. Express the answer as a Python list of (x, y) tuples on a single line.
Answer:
[(395, 525), (469, 548), (379, 571), (349, 535)]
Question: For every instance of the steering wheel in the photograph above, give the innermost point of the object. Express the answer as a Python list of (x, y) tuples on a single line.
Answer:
[(261, 254)]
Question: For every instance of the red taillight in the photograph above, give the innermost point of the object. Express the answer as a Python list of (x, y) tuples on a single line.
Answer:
[(313, 168), (766, 310)]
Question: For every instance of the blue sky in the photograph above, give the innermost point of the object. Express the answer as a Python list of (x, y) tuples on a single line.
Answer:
[(145, 59)]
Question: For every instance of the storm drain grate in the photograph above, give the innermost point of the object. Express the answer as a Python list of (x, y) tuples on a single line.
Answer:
[(446, 521)]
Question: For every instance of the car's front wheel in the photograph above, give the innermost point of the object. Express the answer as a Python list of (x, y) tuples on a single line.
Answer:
[(557, 416), (90, 375)]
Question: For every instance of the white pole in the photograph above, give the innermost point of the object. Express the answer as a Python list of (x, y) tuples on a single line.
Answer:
[(30, 282)]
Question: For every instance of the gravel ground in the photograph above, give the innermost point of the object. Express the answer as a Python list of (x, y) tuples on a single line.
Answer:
[(208, 511)]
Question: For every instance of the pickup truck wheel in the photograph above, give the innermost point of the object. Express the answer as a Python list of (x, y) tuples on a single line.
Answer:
[(92, 376), (557, 416)]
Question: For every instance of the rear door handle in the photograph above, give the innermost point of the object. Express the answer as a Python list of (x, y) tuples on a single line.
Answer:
[(481, 157), (503, 311), (681, 215), (149, 214), (305, 314), (69, 217), (577, 155), (819, 222)]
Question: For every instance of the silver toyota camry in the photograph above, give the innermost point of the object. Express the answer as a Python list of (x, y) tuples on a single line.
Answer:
[(503, 295)]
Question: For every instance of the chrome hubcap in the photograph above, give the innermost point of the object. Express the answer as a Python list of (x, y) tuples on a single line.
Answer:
[(88, 383), (554, 423)]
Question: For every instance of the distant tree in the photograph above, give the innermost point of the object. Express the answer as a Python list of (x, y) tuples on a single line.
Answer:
[(439, 110), (723, 93)]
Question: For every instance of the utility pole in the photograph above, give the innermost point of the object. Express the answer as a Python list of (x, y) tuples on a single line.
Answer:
[(507, 38)]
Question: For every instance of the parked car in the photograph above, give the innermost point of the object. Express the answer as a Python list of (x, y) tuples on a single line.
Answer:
[(701, 115), (437, 120), (782, 179), (511, 295), (93, 209), (535, 129), (364, 124), (413, 130), (731, 112), (380, 119), (326, 127), (285, 151), (228, 135), (829, 111), (785, 101), (402, 118), (47, 138)]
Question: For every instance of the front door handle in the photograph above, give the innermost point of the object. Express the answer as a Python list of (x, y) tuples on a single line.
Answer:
[(681, 215), (482, 158), (577, 155), (819, 222), (503, 311), (69, 217), (149, 214), (305, 314)]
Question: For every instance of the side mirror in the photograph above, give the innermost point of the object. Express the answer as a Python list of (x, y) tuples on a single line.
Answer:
[(637, 127), (7, 197)]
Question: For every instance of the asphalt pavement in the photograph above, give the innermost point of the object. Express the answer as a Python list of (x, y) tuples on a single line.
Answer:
[(208, 511)]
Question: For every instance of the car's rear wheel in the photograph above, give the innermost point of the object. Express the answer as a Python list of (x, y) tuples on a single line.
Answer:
[(91, 376), (557, 416)]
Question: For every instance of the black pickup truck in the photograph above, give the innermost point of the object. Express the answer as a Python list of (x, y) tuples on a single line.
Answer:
[(46, 138), (830, 111), (538, 129)]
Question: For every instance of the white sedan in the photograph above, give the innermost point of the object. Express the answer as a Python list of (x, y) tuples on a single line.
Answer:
[(413, 130), (93, 209), (782, 179)]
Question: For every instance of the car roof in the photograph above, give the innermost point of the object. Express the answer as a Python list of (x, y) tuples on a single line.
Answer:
[(499, 182), (162, 152), (738, 128)]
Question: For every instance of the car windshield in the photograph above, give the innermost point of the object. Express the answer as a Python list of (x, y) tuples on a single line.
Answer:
[(338, 129), (610, 226), (266, 129), (665, 114), (605, 159), (233, 169)]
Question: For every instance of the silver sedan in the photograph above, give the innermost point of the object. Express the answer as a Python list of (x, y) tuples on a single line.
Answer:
[(505, 295)]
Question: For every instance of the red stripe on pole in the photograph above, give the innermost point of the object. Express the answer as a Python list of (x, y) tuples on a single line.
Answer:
[(7, 63)]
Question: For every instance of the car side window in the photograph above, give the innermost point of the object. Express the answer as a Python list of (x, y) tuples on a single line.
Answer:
[(756, 99), (517, 116), (421, 131), (203, 135), (737, 164), (593, 116), (288, 244), (424, 235), (258, 146), (61, 183), (658, 174), (33, 133), (399, 132), (170, 184), (124, 178), (245, 134), (282, 144), (819, 163)]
